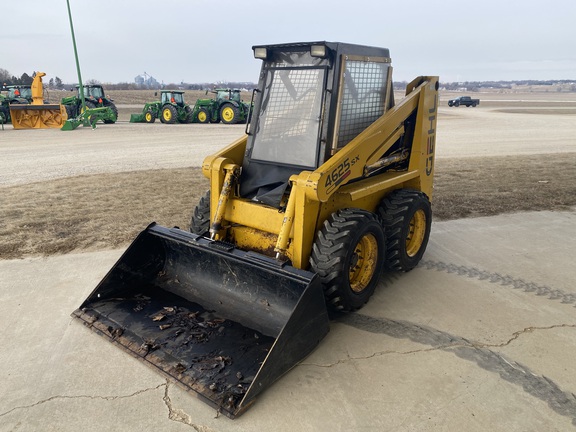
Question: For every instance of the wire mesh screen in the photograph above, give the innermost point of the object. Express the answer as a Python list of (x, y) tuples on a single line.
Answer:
[(364, 98), (290, 117)]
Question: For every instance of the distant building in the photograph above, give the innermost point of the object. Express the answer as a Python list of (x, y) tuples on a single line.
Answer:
[(146, 81)]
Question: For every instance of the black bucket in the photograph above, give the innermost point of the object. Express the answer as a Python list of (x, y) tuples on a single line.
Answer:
[(221, 322)]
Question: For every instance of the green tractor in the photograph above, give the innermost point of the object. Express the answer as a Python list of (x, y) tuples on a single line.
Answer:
[(227, 107), (4, 110), (16, 94), (19, 94), (94, 98), (170, 109)]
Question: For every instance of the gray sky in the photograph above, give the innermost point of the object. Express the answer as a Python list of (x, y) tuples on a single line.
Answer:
[(207, 40)]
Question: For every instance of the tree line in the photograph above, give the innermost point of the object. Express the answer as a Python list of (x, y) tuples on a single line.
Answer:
[(6, 78)]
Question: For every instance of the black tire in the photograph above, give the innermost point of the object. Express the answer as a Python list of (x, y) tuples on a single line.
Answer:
[(474, 105), (456, 104), (169, 114), (200, 221), (406, 216), (149, 116), (203, 116), (229, 114), (188, 112), (71, 111), (90, 105), (348, 255), (4, 116), (114, 110)]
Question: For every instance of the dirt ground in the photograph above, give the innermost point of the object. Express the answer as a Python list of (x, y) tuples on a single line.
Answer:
[(513, 153)]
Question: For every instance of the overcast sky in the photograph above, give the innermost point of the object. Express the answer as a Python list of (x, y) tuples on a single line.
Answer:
[(207, 41)]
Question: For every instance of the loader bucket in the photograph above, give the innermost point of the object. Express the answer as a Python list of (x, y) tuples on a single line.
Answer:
[(37, 116), (71, 124), (220, 322), (136, 118), (89, 117)]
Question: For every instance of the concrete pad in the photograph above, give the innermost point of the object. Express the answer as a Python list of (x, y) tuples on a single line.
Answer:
[(481, 336)]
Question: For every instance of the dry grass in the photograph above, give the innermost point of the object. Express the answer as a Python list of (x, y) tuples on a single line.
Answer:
[(108, 210), (471, 187), (94, 212)]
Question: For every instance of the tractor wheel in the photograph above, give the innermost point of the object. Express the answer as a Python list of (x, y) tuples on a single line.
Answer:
[(229, 114), (90, 105), (200, 222), (406, 216), (149, 116), (169, 114), (348, 255), (70, 111), (114, 110), (203, 116), (188, 111), (3, 115)]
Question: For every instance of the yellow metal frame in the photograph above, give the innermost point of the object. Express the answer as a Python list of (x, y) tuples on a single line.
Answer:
[(315, 195)]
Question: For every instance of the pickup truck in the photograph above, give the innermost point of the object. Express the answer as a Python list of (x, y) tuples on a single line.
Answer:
[(464, 100)]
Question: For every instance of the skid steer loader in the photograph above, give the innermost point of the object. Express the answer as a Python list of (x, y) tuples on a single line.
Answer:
[(331, 183)]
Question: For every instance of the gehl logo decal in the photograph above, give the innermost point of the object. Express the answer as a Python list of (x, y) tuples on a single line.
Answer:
[(431, 142)]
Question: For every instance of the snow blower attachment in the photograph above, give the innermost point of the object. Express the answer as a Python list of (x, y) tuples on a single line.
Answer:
[(221, 322), (331, 184), (37, 115)]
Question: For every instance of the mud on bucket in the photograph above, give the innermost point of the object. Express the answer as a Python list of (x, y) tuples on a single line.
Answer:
[(221, 322)]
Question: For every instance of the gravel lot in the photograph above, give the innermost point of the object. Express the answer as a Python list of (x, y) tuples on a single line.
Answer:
[(502, 125)]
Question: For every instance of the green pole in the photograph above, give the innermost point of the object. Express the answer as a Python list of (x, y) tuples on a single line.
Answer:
[(81, 87)]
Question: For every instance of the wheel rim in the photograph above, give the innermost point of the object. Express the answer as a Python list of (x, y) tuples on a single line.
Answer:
[(227, 114), (167, 115), (202, 116), (363, 263), (416, 233), (148, 116)]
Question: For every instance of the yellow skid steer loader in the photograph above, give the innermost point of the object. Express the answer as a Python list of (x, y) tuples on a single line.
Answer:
[(331, 184)]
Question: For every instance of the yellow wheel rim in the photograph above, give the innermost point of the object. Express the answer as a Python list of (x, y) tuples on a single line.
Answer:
[(202, 116), (363, 263), (416, 233), (148, 116), (228, 114), (167, 115)]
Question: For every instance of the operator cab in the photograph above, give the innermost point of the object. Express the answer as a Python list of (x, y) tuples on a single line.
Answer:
[(95, 91), (173, 97), (297, 123)]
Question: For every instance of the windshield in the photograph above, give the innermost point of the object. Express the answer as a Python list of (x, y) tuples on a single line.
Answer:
[(22, 92), (175, 98), (289, 120), (95, 92)]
